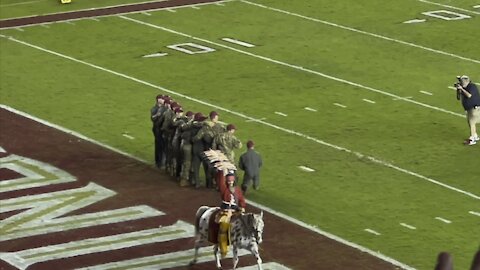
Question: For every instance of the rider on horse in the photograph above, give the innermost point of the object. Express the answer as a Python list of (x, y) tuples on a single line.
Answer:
[(232, 201)]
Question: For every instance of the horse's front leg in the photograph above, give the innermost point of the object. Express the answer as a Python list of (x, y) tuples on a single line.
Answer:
[(197, 246), (235, 257), (257, 255), (217, 258)]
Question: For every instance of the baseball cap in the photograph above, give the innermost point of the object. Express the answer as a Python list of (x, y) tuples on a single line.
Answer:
[(213, 114), (231, 126), (464, 77)]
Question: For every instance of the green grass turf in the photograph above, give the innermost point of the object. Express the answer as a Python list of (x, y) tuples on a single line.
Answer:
[(346, 194)]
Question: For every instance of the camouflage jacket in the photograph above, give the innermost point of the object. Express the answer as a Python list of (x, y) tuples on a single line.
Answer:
[(208, 132), (227, 142)]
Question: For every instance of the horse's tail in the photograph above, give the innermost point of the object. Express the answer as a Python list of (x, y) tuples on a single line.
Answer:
[(198, 215)]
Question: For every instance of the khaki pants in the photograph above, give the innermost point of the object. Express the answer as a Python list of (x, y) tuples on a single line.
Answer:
[(473, 116)]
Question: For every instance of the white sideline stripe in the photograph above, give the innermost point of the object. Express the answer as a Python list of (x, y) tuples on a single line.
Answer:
[(289, 131), (364, 32), (447, 6), (474, 213), (220, 4), (195, 7), (426, 93), (369, 101), (305, 168), (281, 113), (45, 25), (408, 226), (70, 22), (310, 109), (21, 3), (372, 232), (239, 42), (171, 10), (443, 220), (260, 206), (128, 136), (94, 19), (402, 98), (295, 67), (339, 105)]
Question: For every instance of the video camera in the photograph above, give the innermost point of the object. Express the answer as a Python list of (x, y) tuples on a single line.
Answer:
[(456, 85)]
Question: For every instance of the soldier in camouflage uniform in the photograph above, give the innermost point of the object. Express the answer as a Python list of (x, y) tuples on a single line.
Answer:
[(198, 146), (156, 114), (177, 122), (186, 132), (227, 142), (167, 131), (209, 130)]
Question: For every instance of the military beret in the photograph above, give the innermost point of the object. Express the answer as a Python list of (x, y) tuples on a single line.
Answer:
[(231, 126), (213, 114)]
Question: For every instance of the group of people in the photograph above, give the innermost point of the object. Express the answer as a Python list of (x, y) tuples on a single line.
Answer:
[(181, 138)]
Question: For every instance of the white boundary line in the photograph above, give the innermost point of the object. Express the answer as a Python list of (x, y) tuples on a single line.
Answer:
[(239, 42), (451, 7), (260, 206), (365, 33), (295, 67), (289, 131)]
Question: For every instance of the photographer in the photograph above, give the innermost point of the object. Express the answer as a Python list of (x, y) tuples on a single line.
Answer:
[(468, 93)]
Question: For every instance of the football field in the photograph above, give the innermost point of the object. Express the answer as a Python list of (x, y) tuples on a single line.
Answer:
[(349, 102)]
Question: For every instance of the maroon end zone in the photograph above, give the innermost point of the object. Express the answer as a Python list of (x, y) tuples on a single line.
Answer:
[(137, 183)]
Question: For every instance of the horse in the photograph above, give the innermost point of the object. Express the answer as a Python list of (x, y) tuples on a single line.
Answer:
[(246, 233)]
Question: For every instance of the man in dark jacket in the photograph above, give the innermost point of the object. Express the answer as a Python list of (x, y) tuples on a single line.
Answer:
[(198, 146), (468, 92), (250, 162)]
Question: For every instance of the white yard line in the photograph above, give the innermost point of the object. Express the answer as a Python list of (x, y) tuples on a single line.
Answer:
[(289, 131), (443, 220), (255, 120), (281, 113), (146, 13), (369, 101), (408, 226), (474, 213), (426, 93), (46, 25), (451, 87), (260, 206), (305, 168), (220, 4), (310, 109), (364, 32), (20, 3), (171, 10), (195, 7), (448, 6), (476, 6), (296, 67), (372, 231), (70, 22), (339, 105), (128, 136), (19, 29), (239, 42)]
